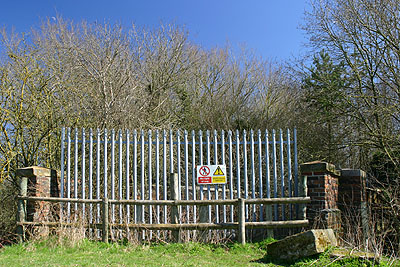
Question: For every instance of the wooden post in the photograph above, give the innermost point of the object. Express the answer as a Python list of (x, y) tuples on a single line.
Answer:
[(268, 218), (105, 220), (242, 221), (174, 209), (303, 193), (23, 189), (203, 217)]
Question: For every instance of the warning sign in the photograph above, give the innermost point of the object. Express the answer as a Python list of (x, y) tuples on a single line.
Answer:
[(219, 180), (204, 180), (218, 171), (211, 174), (204, 171)]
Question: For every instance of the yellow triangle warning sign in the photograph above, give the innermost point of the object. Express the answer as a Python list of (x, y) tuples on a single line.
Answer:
[(218, 171)]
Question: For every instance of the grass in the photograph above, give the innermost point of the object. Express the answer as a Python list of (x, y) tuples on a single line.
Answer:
[(51, 252), (89, 253)]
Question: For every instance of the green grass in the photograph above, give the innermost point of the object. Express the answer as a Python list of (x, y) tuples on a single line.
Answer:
[(89, 253)]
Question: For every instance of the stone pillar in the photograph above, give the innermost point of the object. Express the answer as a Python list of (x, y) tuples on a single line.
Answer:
[(42, 182), (323, 189)]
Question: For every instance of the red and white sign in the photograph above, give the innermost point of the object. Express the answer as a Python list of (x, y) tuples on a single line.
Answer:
[(211, 174), (204, 170), (204, 179)]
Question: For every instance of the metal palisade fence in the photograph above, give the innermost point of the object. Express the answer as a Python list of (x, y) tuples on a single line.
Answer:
[(135, 165)]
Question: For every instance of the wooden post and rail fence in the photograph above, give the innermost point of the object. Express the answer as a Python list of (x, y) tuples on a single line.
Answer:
[(241, 225)]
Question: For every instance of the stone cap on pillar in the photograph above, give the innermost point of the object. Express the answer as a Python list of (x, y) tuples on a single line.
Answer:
[(36, 171), (318, 168), (353, 173)]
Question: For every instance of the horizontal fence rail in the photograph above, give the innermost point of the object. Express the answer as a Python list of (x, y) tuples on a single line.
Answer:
[(135, 165), (105, 224), (268, 201)]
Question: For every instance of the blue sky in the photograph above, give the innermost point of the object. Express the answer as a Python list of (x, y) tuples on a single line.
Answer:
[(270, 27)]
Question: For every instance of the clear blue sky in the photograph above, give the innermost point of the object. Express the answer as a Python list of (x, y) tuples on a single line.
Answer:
[(270, 27)]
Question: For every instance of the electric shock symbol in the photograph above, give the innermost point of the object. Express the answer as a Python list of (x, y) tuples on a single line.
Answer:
[(204, 171)]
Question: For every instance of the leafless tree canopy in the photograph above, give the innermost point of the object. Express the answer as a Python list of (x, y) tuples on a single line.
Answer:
[(106, 76), (365, 35)]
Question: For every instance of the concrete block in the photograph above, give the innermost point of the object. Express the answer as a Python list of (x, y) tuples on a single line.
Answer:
[(302, 245)]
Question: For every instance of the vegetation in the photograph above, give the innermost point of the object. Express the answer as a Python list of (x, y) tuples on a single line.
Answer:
[(88, 253), (363, 37), (345, 104)]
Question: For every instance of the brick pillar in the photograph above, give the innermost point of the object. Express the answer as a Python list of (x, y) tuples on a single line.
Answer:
[(42, 182), (323, 189), (353, 201), (352, 189)]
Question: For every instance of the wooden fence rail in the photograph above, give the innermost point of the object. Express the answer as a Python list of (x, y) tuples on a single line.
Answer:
[(241, 225), (175, 226)]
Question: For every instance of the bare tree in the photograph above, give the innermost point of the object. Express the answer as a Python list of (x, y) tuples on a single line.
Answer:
[(364, 35)]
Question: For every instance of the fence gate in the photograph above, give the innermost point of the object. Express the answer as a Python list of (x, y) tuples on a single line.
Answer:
[(135, 165)]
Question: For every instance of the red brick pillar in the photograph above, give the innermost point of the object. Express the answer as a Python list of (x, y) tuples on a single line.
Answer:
[(323, 189), (42, 182)]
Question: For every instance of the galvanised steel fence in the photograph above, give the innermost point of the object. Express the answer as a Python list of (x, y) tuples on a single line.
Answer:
[(135, 165)]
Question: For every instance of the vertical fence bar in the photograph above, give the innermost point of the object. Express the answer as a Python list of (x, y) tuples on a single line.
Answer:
[(149, 137), (216, 163), (238, 164), (91, 174), (267, 171), (83, 179), (178, 166), (76, 171), (246, 187), (120, 178), (268, 209), (135, 182), (105, 165), (171, 152), (142, 193), (127, 184), (186, 154), (194, 174), (201, 161), (260, 174), (224, 185), (296, 179), (282, 172), (157, 176), (62, 163), (98, 174), (274, 172), (62, 172), (105, 190), (112, 174), (230, 171), (253, 174), (289, 168), (208, 163), (165, 173)]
